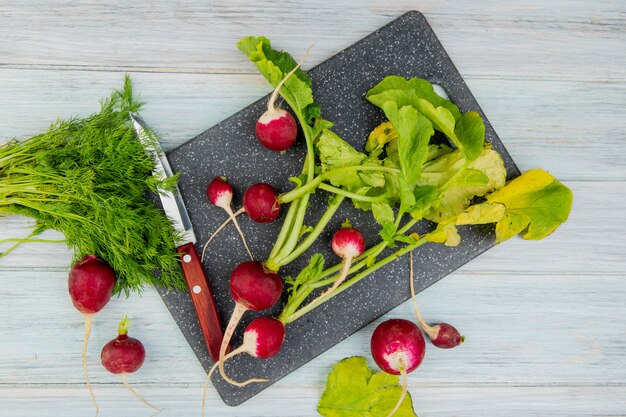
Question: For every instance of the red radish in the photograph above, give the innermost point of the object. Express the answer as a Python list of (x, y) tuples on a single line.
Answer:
[(348, 243), (90, 285), (276, 129), (253, 287), (220, 194), (442, 335), (261, 203), (262, 338), (398, 348), (124, 355)]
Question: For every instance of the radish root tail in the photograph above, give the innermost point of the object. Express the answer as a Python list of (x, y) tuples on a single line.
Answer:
[(243, 238), (405, 388), (228, 334), (270, 104), (428, 329), (237, 351), (345, 269), (88, 318), (139, 397), (219, 229)]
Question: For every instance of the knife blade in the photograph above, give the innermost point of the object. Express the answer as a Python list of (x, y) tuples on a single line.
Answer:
[(174, 208)]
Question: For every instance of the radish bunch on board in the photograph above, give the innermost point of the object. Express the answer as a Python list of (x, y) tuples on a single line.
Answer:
[(90, 284), (124, 355)]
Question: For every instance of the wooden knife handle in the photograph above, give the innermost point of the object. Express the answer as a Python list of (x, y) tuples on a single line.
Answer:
[(202, 298)]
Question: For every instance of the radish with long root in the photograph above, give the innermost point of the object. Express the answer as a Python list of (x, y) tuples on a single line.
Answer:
[(260, 201), (442, 335), (124, 355), (348, 243), (220, 194), (277, 129), (90, 283), (253, 287), (262, 338), (398, 348)]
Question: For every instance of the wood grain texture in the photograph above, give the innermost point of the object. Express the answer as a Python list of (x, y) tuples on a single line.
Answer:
[(544, 320), (529, 38)]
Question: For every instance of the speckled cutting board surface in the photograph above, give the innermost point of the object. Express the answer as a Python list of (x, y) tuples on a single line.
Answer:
[(407, 46)]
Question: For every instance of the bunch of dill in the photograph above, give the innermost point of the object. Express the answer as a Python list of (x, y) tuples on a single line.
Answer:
[(90, 179)]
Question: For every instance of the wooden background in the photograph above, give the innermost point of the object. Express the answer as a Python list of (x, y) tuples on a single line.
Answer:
[(545, 321)]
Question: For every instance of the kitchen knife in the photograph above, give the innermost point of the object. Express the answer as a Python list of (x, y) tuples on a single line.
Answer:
[(174, 208)]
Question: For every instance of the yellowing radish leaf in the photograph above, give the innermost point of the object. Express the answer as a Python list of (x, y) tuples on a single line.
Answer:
[(380, 136), (535, 201), (457, 196), (354, 390), (482, 214), (446, 234)]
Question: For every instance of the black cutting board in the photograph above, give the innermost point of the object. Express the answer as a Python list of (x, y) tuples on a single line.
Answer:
[(407, 46)]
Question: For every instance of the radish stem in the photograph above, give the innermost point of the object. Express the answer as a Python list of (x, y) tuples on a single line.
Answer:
[(219, 229), (311, 238), (284, 231), (311, 185), (302, 311), (352, 196), (270, 104)]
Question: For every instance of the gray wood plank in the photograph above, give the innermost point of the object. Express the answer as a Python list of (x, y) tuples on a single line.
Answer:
[(570, 39), (301, 401), (569, 128)]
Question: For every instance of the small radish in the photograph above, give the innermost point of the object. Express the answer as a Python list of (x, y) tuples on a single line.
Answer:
[(260, 201), (276, 129), (442, 335), (90, 285), (348, 243), (253, 287), (124, 355), (262, 338), (398, 348), (220, 194)]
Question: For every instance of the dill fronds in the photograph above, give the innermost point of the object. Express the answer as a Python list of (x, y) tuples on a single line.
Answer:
[(90, 179)]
